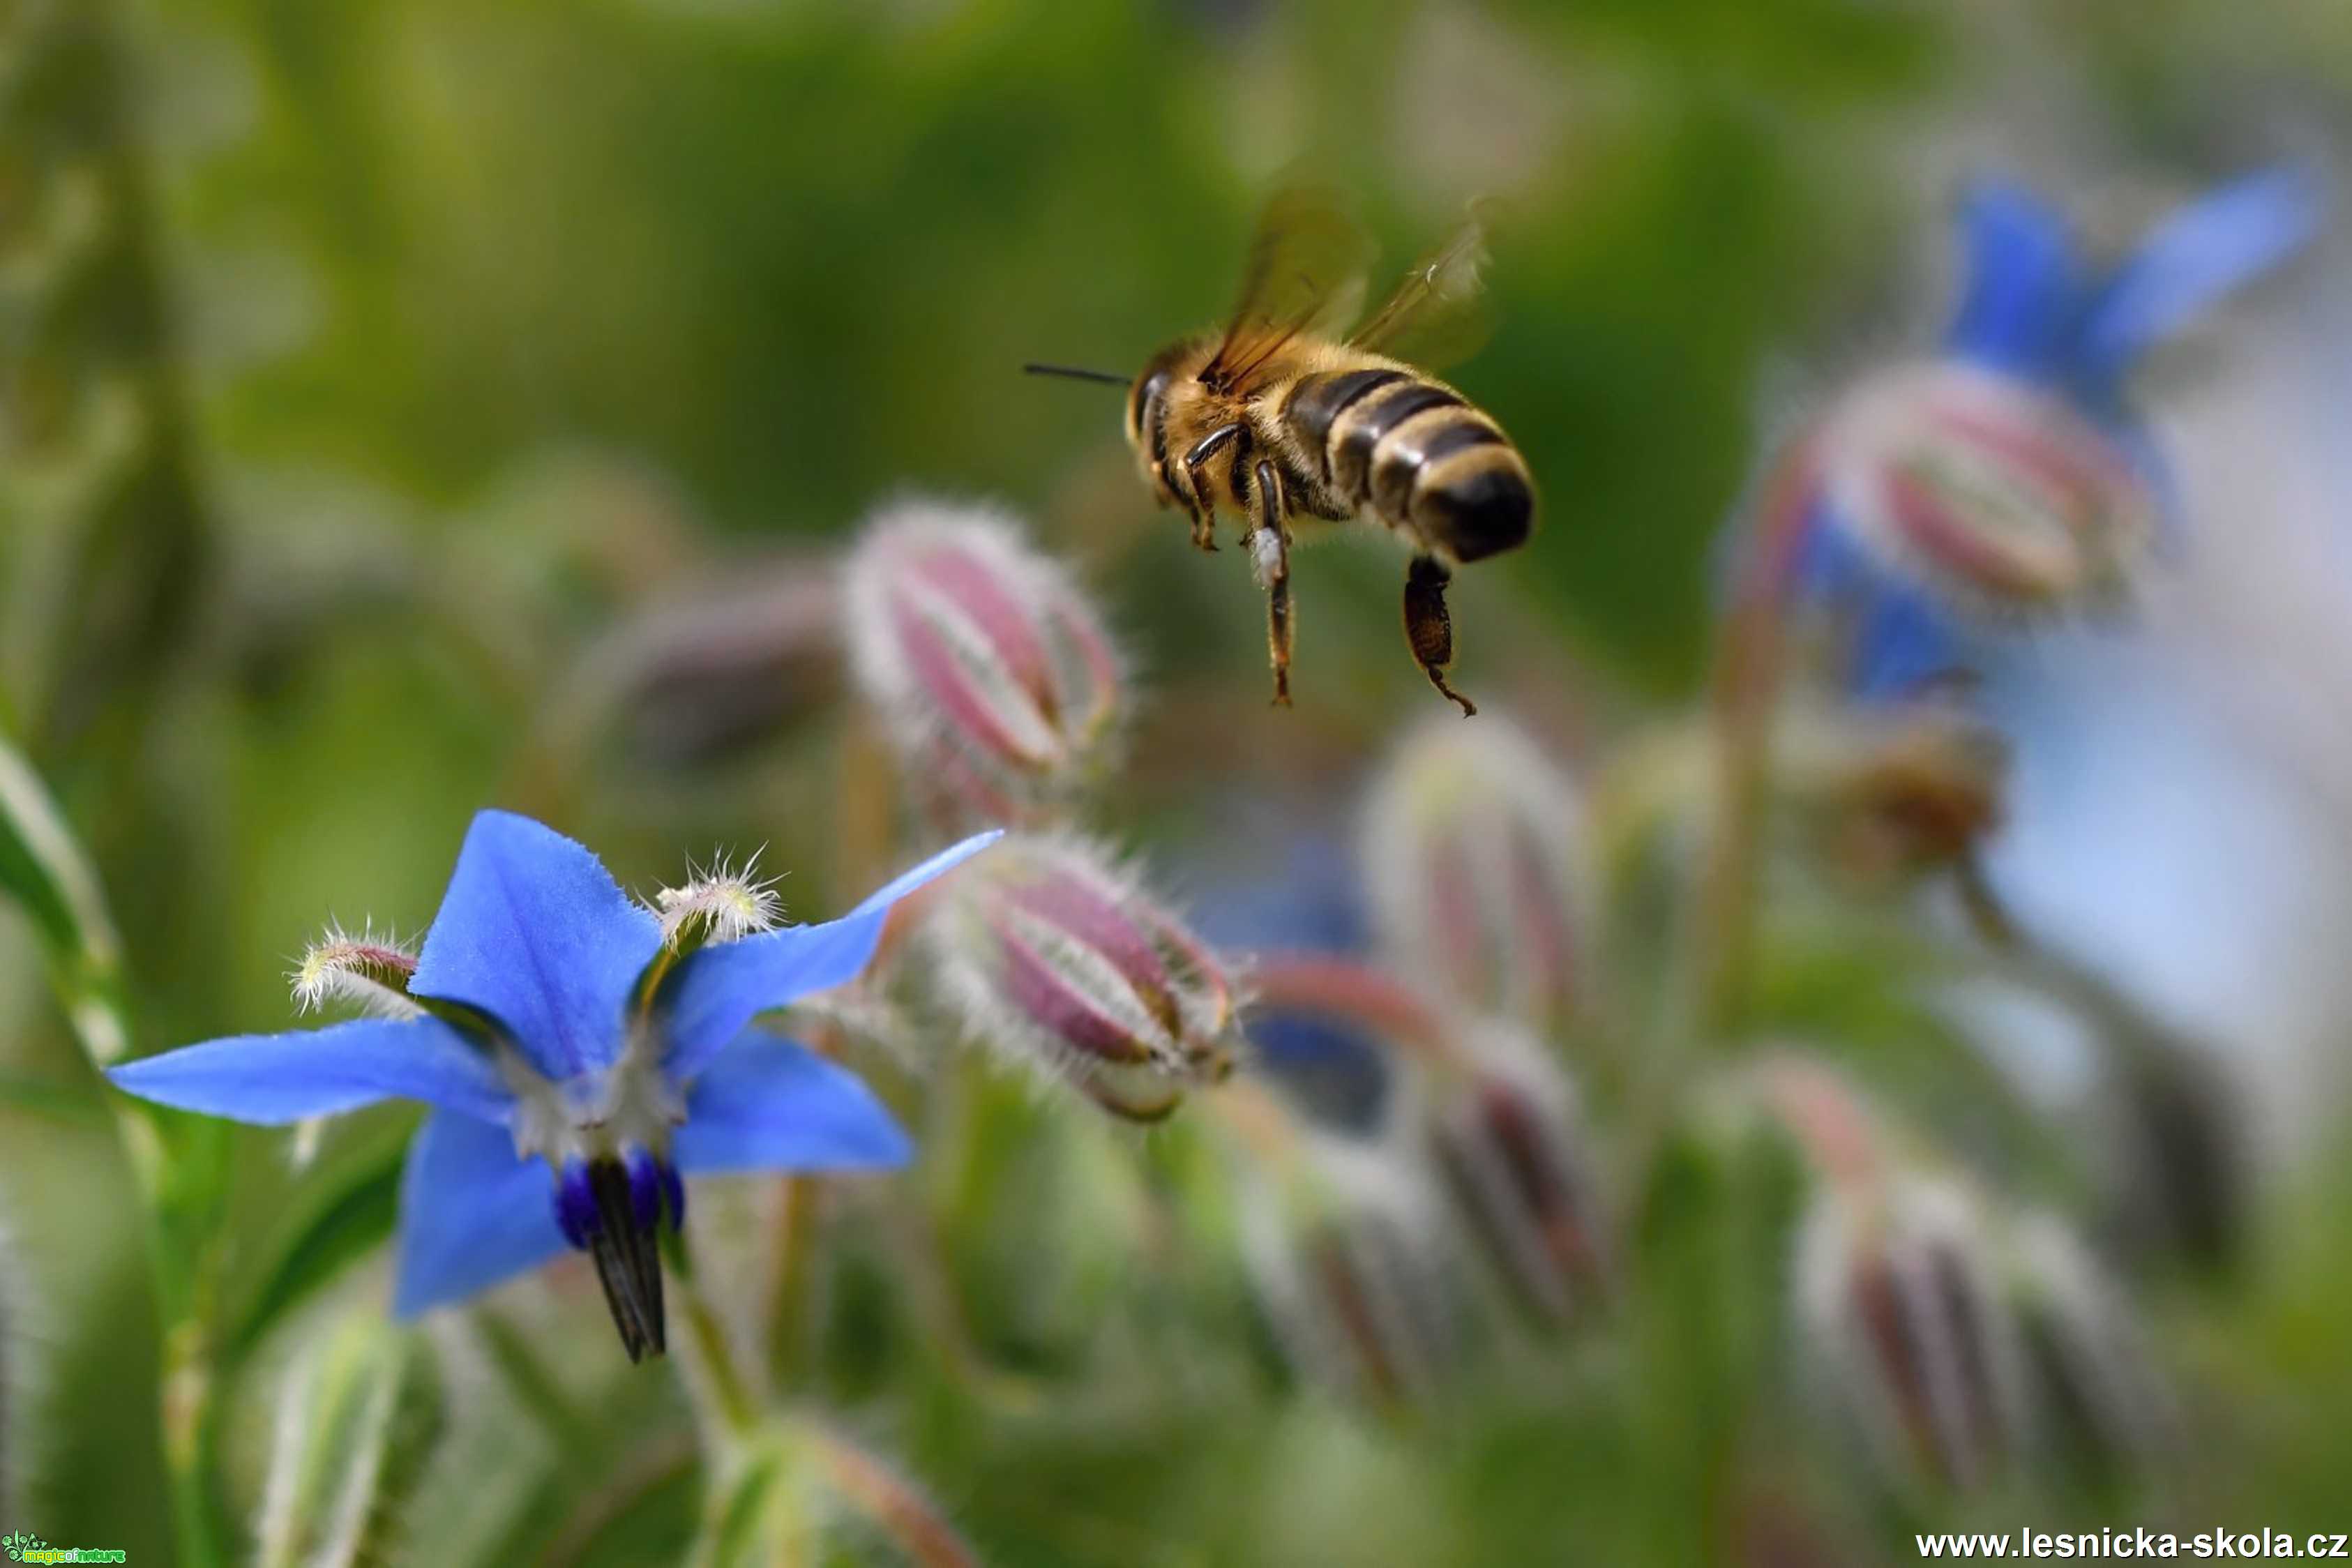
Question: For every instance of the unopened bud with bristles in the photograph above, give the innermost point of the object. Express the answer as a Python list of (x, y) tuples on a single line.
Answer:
[(2102, 1402), (1516, 1154), (1996, 497), (1500, 1120), (1473, 849), (366, 974), (365, 971), (721, 904), (1344, 1249), (995, 681), (717, 672), (1051, 952), (1907, 1333)]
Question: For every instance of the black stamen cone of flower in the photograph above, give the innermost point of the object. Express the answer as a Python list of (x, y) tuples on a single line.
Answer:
[(613, 1210)]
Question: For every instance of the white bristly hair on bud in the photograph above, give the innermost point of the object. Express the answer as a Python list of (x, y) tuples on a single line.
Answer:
[(732, 903), (1348, 1254), (994, 679), (1099, 988), (365, 971)]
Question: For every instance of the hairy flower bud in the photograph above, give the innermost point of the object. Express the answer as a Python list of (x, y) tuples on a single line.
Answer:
[(1514, 1153), (995, 681), (1905, 1327), (721, 904), (366, 972), (701, 677), (2095, 1386), (1473, 862), (1499, 1119), (1051, 952), (1343, 1242), (1995, 494)]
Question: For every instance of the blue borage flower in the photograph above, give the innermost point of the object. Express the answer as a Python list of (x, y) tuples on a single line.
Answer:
[(580, 1055), (2010, 473)]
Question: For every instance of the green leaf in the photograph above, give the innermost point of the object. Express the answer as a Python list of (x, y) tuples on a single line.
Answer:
[(344, 1209), (43, 868), (354, 1421)]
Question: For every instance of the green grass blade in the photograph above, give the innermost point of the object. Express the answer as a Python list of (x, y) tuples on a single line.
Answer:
[(42, 866)]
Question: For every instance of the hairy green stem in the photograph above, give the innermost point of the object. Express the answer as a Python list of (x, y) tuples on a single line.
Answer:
[(726, 1396), (1747, 687)]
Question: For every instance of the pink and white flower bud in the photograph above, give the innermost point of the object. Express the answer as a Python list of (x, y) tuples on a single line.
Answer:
[(1473, 849), (1994, 493), (1055, 954), (1499, 1121), (2101, 1400), (1906, 1330), (712, 674), (1512, 1145), (997, 684), (366, 972), (1345, 1251)]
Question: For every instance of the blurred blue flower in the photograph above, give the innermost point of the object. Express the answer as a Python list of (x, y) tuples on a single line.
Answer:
[(1313, 903), (578, 1060), (2011, 474)]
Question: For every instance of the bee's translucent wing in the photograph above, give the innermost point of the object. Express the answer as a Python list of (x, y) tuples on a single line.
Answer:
[(1305, 276), (1439, 314)]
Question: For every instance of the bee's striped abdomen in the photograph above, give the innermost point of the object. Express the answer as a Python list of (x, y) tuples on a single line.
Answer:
[(1412, 453)]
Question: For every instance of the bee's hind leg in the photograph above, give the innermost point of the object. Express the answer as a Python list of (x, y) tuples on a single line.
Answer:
[(1269, 545), (1429, 627)]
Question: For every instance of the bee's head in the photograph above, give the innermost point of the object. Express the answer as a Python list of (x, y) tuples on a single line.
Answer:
[(1170, 373), (1147, 390)]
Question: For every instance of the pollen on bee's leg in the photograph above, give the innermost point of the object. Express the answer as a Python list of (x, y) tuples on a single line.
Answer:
[(1269, 555)]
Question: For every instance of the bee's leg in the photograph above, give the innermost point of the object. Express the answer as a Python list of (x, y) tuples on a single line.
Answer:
[(1165, 470), (1270, 553), (1205, 514), (1427, 626), (1185, 498)]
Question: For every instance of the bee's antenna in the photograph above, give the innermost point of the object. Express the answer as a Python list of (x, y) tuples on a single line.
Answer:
[(1077, 374)]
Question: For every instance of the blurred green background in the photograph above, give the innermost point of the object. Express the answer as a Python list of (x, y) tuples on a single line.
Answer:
[(374, 366)]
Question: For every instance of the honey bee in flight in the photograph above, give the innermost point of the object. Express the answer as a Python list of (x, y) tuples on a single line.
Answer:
[(1287, 420)]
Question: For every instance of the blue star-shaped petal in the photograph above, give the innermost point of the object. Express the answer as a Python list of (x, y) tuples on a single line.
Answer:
[(576, 1065)]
